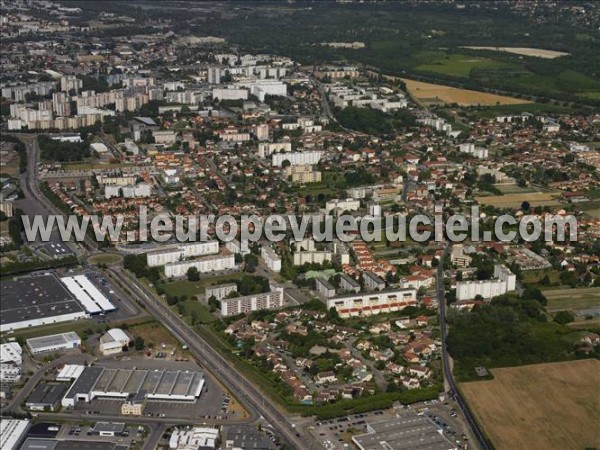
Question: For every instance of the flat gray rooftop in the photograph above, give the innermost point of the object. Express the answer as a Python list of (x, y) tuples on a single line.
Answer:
[(35, 297), (410, 432), (47, 394), (54, 340), (39, 444)]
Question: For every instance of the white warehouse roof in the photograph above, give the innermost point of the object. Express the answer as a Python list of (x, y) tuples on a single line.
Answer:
[(87, 294)]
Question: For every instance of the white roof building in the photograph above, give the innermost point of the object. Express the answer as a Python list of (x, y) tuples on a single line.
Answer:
[(11, 432), (193, 439), (113, 341)]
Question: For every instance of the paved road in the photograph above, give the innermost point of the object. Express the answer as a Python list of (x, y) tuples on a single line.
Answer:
[(30, 182), (21, 396), (448, 376), (249, 395)]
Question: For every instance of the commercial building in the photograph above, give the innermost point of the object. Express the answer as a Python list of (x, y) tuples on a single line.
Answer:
[(255, 302), (113, 341), (204, 265), (272, 259), (34, 301), (99, 382), (194, 439), (242, 437), (403, 433), (11, 358), (46, 396), (373, 302), (54, 343), (88, 295), (108, 429), (504, 281), (12, 432), (220, 291), (174, 253), (69, 372), (134, 405)]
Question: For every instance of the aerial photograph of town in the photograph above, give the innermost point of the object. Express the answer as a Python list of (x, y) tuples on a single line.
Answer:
[(299, 225)]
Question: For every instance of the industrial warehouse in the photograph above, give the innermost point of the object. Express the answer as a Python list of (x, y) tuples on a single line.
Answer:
[(44, 299), (98, 382)]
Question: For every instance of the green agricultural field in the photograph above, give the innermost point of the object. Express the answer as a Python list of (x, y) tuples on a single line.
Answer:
[(458, 65), (573, 299)]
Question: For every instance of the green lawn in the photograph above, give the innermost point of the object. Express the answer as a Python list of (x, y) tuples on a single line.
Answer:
[(458, 65), (107, 258), (193, 288), (194, 307)]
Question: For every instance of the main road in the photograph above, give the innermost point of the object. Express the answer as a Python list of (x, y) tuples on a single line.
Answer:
[(30, 181), (219, 366), (448, 376)]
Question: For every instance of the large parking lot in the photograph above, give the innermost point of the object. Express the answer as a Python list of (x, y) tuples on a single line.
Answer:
[(336, 434)]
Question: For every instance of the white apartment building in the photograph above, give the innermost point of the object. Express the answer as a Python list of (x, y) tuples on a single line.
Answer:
[(235, 246), (504, 281), (254, 302), (348, 204), (470, 149), (229, 94), (272, 259), (69, 82), (303, 174), (324, 287), (373, 302), (204, 265), (458, 256), (312, 257), (164, 137), (267, 148), (262, 88), (176, 253), (220, 291), (231, 134), (297, 158), (373, 281), (262, 132)]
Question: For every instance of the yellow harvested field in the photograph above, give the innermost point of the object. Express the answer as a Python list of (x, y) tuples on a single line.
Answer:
[(515, 200), (437, 93), (543, 406), (525, 51)]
